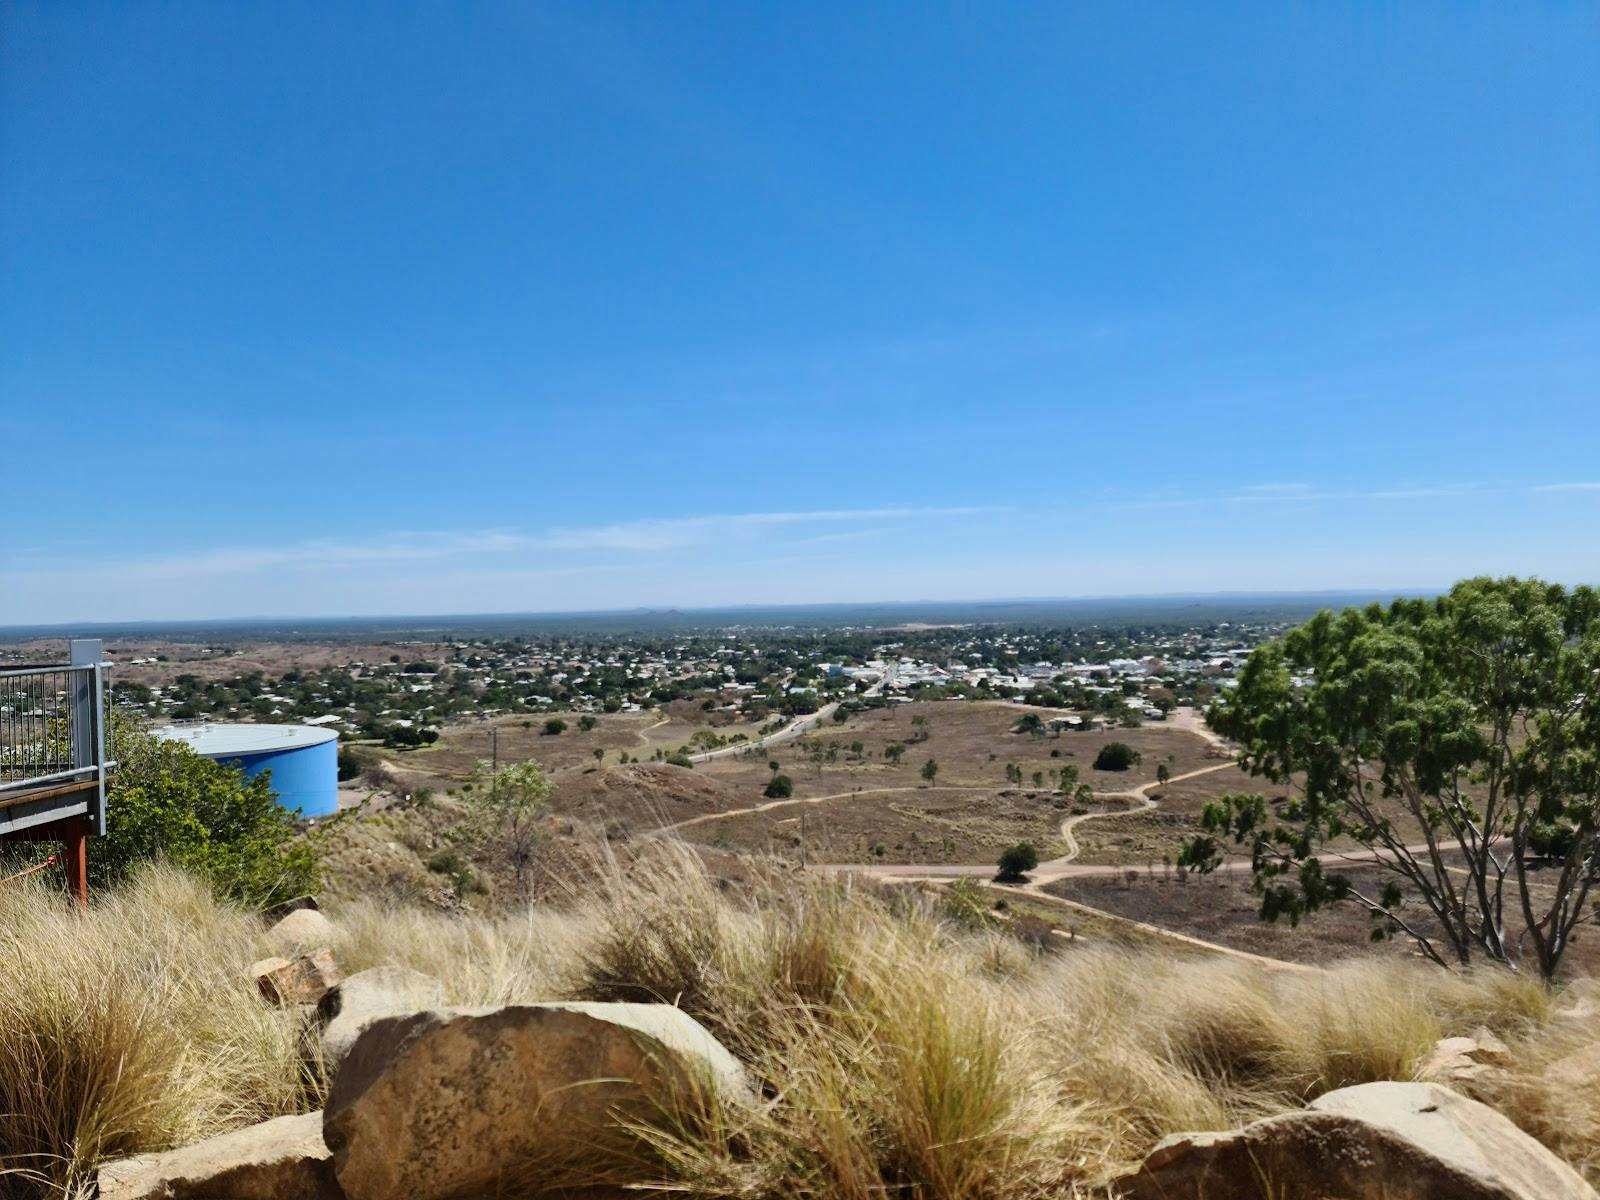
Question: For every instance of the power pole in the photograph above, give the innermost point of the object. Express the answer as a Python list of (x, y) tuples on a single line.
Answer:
[(494, 748)]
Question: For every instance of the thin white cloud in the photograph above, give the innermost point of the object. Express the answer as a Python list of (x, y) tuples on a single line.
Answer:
[(1568, 487), (674, 533), (647, 536), (1304, 494)]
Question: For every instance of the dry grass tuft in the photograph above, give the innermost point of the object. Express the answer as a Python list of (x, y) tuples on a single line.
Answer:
[(898, 1051), (129, 1029)]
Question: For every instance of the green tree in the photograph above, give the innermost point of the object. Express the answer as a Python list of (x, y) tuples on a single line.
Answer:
[(554, 726), (1163, 774), (779, 787), (1457, 738), (504, 808), (350, 764), (930, 771), (894, 752), (1116, 756), (1016, 861), (165, 801), (1031, 723)]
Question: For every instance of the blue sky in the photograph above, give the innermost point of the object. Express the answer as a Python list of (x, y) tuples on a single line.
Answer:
[(344, 309)]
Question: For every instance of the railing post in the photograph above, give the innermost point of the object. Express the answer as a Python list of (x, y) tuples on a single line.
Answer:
[(88, 720), (75, 862)]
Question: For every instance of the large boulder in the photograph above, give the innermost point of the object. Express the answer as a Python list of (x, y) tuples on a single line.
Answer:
[(474, 1102), (283, 1159), (304, 979), (358, 1001), (1378, 1141), (303, 929)]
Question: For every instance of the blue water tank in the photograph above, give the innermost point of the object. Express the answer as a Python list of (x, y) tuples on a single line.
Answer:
[(303, 759)]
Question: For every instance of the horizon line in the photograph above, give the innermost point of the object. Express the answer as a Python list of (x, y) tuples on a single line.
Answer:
[(664, 609)]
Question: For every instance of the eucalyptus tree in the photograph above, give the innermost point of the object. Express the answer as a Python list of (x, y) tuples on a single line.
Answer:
[(1457, 740)]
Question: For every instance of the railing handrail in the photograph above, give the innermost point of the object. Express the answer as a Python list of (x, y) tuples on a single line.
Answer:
[(50, 669)]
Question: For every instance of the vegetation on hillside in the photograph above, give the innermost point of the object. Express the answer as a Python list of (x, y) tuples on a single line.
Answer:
[(165, 801)]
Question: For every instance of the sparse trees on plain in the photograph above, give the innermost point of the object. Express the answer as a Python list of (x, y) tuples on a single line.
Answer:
[(1031, 724)]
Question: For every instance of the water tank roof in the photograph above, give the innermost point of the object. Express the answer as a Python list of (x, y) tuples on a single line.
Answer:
[(212, 740)]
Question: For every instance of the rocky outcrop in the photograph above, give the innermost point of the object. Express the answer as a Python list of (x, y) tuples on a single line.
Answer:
[(463, 1102), (304, 979), (1465, 1060), (303, 929), (1378, 1141), (386, 991), (283, 1159)]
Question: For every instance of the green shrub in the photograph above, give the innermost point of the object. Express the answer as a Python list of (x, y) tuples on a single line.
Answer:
[(1016, 861), (779, 787), (1116, 756), (167, 802), (555, 726)]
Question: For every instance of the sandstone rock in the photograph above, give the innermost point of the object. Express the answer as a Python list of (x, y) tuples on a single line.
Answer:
[(303, 929), (282, 1159), (1491, 1050), (469, 1102), (304, 979), (277, 912), (1451, 1061), (1378, 1141), (1465, 1060), (385, 991)]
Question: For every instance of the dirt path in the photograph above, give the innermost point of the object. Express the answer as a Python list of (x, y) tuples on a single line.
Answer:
[(640, 733), (1140, 794), (1192, 720)]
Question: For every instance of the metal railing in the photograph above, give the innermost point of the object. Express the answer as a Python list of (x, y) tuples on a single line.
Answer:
[(52, 729)]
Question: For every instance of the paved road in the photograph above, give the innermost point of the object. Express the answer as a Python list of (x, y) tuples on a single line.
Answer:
[(790, 731)]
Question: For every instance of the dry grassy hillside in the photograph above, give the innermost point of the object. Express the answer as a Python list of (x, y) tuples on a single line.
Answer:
[(903, 1045)]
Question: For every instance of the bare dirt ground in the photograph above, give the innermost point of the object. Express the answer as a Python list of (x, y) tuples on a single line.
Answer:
[(903, 825), (1221, 908), (864, 808), (970, 742), (462, 745)]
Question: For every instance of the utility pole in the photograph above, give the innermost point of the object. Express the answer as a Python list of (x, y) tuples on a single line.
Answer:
[(802, 839), (494, 748)]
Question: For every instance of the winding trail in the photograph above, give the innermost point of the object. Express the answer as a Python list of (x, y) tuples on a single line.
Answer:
[(1140, 795), (640, 733)]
